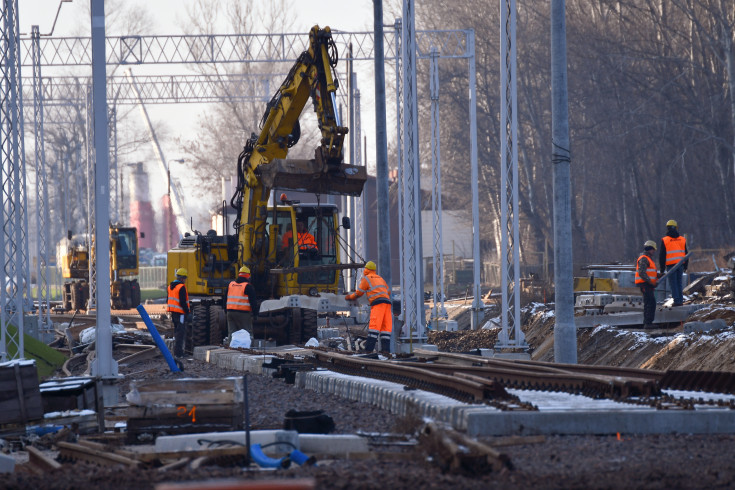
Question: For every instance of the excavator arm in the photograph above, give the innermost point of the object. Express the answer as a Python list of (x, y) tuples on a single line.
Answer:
[(261, 165)]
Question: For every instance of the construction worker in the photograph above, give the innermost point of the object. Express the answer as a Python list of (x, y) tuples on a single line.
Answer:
[(305, 239), (673, 250), (646, 277), (178, 306), (381, 314), (240, 303)]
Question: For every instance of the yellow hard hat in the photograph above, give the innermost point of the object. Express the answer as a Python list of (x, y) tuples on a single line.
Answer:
[(671, 222), (370, 266), (244, 270), (650, 243), (182, 272)]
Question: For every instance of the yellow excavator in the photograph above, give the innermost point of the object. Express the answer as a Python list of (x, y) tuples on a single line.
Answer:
[(294, 280), (75, 258)]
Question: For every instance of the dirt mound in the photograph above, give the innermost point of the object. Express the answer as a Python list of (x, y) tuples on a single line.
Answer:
[(464, 341), (612, 346)]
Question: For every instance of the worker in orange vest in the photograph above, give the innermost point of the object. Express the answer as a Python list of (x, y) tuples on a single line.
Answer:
[(646, 278), (178, 306), (241, 304), (673, 251), (381, 314), (306, 241)]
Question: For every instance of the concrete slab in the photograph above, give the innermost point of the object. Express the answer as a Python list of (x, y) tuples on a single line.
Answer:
[(701, 327), (193, 442), (606, 422), (200, 352), (672, 314), (332, 444), (7, 463)]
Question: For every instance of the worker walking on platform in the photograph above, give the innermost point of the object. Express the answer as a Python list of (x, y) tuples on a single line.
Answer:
[(178, 306), (646, 277), (381, 314), (673, 250), (241, 304)]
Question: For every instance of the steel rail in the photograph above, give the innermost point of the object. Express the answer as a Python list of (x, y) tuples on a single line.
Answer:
[(465, 387), (532, 377)]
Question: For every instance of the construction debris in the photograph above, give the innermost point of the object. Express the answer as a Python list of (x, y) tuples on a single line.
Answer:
[(456, 453)]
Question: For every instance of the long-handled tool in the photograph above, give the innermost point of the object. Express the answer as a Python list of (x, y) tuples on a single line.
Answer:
[(678, 264)]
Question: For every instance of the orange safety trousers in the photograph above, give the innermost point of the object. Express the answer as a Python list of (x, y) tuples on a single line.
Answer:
[(381, 318)]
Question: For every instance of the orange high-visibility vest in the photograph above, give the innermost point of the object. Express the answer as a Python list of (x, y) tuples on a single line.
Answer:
[(675, 249), (174, 305), (236, 297), (651, 271), (306, 241), (374, 286)]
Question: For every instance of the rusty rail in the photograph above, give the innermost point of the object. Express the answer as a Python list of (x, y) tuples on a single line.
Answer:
[(463, 387)]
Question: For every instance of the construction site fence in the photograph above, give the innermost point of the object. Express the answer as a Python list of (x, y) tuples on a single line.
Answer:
[(149, 278)]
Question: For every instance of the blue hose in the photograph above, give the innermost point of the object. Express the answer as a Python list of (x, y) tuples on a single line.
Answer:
[(158, 340), (256, 452)]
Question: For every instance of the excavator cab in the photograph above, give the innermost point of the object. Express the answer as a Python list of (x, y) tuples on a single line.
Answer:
[(314, 244)]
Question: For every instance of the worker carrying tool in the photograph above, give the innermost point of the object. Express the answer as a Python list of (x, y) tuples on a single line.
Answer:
[(179, 308), (241, 304), (381, 313), (673, 250), (646, 278)]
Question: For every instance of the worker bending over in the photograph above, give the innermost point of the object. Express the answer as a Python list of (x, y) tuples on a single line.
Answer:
[(646, 278), (179, 308), (241, 304), (381, 314)]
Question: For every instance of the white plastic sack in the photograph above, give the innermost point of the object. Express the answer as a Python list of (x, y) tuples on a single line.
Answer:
[(312, 343), (88, 335), (241, 339)]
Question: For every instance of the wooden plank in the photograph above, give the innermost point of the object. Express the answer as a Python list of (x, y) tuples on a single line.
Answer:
[(516, 441), (158, 456), (75, 451), (39, 460), (173, 398), (172, 425), (141, 355), (176, 411), (188, 385)]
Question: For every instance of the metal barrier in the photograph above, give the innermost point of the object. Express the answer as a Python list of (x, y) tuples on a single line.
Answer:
[(152, 277)]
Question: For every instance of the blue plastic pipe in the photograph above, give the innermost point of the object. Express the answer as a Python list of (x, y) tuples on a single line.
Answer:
[(256, 452), (158, 340)]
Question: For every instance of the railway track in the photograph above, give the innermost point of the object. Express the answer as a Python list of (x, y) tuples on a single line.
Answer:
[(474, 379)]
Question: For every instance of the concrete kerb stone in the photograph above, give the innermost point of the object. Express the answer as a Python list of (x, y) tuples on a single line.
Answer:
[(7, 463), (332, 444), (215, 354), (201, 352), (386, 395), (226, 359), (597, 422), (701, 327)]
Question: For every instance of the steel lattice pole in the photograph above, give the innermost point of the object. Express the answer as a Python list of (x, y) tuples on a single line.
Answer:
[(399, 178), (91, 229), (438, 311), (42, 210), (112, 137), (413, 254), (511, 334), (12, 287)]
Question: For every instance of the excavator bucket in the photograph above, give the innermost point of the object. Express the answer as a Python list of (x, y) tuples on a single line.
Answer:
[(311, 176)]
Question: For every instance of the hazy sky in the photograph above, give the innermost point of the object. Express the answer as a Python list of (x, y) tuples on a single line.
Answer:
[(169, 18)]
